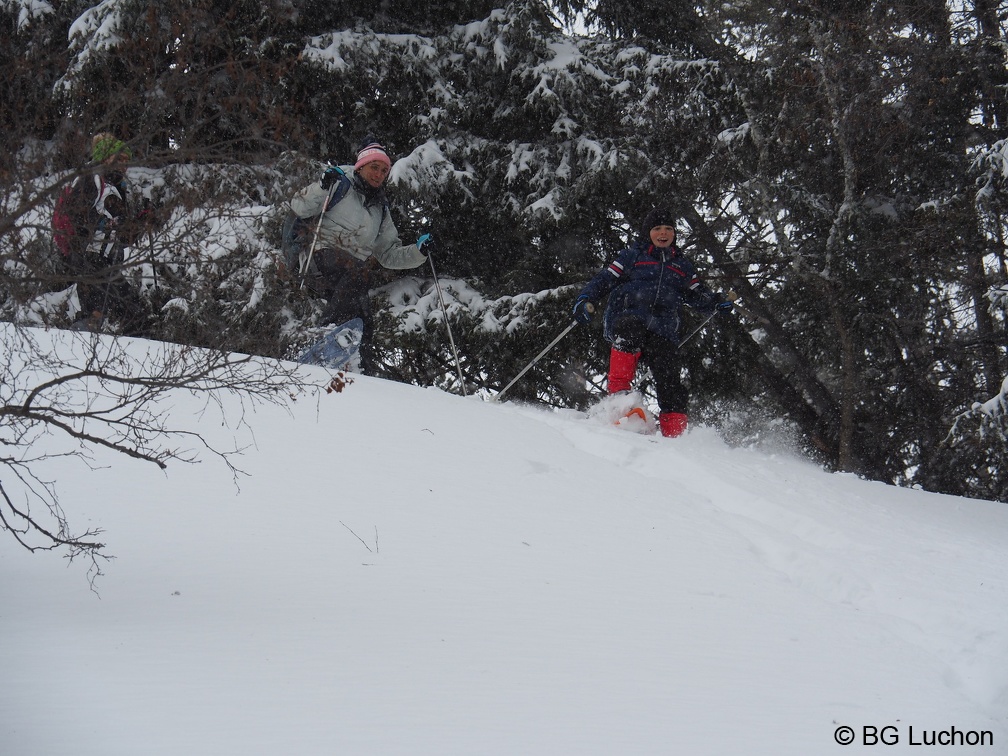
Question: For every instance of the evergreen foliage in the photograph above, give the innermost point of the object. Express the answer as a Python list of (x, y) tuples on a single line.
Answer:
[(841, 166)]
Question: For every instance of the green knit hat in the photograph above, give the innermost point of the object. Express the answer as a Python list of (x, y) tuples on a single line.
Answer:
[(105, 146)]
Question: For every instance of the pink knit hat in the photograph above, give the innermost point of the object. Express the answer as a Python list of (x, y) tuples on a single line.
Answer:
[(370, 153)]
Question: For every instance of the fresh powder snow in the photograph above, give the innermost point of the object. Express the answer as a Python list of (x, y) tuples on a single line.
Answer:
[(405, 571)]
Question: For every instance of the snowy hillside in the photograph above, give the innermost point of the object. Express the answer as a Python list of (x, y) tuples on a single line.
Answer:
[(405, 571)]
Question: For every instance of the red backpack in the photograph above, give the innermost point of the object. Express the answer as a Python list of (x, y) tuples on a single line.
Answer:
[(62, 223)]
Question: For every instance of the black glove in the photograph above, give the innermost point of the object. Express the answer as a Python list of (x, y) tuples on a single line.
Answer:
[(583, 309), (724, 307), (427, 245), (333, 175)]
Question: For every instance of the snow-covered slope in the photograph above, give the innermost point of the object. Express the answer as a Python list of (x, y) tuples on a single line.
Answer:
[(410, 572)]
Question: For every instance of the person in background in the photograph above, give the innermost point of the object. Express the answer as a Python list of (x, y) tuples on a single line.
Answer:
[(356, 233), (647, 284), (92, 223)]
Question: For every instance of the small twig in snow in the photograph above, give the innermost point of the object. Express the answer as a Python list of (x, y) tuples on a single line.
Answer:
[(359, 538)]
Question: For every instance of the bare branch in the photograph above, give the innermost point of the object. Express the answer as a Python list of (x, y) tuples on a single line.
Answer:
[(69, 394)]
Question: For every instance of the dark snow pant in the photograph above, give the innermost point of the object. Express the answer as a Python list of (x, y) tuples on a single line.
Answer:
[(661, 356), (102, 289), (345, 282)]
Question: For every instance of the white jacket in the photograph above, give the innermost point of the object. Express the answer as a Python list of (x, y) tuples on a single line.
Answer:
[(350, 225)]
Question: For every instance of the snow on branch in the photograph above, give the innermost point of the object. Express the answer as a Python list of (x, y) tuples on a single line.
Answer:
[(332, 50), (992, 163), (413, 302), (27, 10), (427, 165), (993, 413), (998, 297), (95, 30)]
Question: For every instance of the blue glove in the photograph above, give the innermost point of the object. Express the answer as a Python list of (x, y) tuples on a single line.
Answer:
[(427, 245), (332, 175), (725, 306), (583, 309)]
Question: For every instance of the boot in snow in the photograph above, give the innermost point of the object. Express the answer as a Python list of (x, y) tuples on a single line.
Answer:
[(622, 367), (672, 424)]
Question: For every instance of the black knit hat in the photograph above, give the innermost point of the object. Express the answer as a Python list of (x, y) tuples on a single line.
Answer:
[(660, 216)]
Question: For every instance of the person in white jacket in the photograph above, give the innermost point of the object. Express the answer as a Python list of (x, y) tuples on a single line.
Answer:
[(355, 234)]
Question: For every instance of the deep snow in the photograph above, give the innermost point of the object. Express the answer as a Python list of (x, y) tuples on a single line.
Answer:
[(406, 571)]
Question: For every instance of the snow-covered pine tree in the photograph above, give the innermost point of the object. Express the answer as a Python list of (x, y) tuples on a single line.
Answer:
[(838, 192)]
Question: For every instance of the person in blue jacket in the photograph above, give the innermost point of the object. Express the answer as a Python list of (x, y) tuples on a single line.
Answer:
[(647, 285)]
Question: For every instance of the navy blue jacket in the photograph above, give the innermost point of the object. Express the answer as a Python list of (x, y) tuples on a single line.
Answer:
[(650, 283)]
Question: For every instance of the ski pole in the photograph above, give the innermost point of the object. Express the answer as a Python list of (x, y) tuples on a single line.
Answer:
[(568, 329), (306, 262), (437, 285), (696, 330), (731, 297), (750, 314)]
